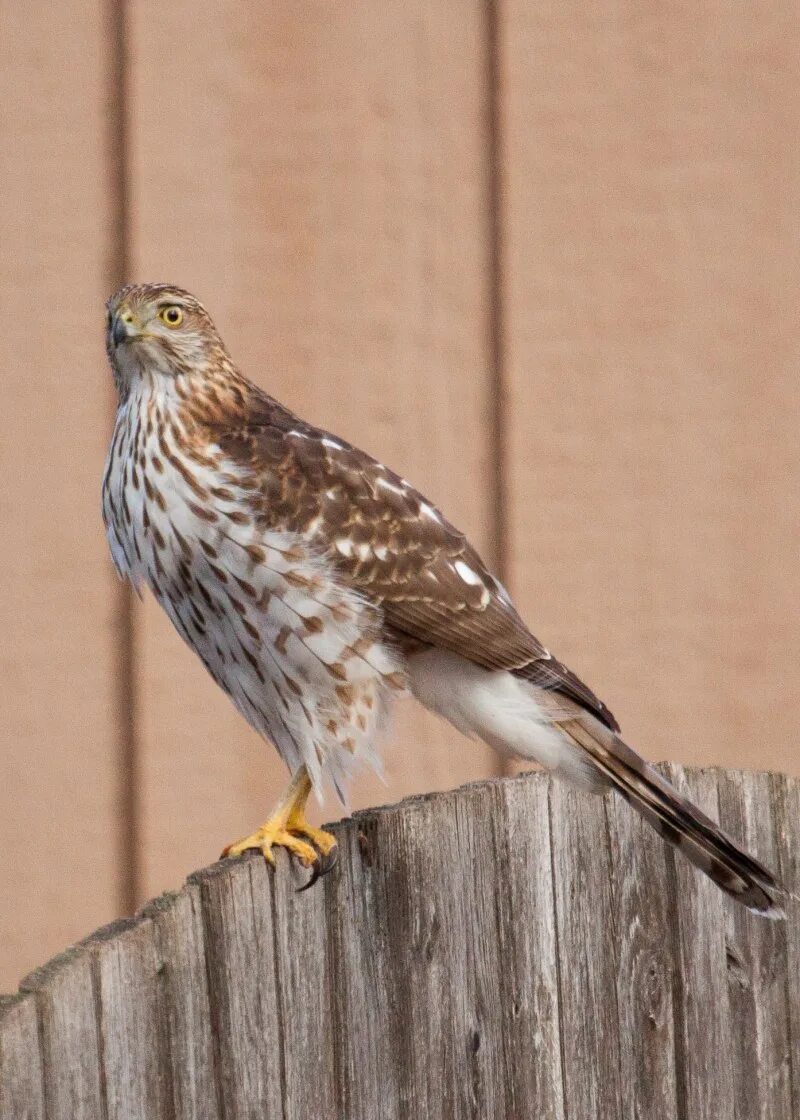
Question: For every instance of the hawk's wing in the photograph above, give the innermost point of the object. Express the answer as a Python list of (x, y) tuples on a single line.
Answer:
[(393, 546)]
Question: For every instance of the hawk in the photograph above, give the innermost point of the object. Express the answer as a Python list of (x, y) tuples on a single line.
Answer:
[(315, 585)]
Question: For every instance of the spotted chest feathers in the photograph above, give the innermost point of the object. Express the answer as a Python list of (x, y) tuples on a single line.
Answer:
[(300, 654)]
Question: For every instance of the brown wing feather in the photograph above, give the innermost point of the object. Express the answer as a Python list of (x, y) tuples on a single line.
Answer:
[(392, 545)]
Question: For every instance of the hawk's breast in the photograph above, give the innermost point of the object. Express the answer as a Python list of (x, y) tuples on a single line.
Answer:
[(299, 652)]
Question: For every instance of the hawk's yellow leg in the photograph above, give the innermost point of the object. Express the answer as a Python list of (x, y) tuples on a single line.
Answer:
[(288, 828)]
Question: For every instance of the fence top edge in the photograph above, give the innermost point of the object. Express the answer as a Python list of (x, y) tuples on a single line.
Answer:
[(41, 977), (424, 800), (8, 1003)]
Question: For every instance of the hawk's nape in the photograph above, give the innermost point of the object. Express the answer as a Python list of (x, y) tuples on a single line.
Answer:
[(315, 584)]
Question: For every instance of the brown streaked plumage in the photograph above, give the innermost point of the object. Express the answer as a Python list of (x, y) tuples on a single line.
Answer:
[(315, 584)]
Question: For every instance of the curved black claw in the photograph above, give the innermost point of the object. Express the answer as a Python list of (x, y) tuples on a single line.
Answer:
[(322, 865)]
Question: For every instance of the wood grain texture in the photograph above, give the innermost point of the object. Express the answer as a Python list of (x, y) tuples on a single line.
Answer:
[(71, 1046), (704, 1025), (643, 909), (528, 949), (368, 1080), (303, 983), (443, 998), (757, 963), (650, 194), (325, 194), (588, 947), (186, 1023), (786, 809), (239, 923), (415, 935), (58, 834), (21, 1087), (131, 1021), (508, 949)]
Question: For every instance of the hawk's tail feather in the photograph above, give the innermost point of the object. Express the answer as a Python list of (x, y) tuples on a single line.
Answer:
[(677, 820)]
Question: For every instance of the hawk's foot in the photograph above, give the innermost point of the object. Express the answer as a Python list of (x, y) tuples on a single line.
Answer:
[(288, 828), (274, 834), (324, 843)]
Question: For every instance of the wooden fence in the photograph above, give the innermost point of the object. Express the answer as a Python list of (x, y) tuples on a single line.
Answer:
[(511, 949)]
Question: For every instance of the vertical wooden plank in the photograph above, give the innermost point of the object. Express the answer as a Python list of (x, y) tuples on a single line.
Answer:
[(650, 195), (588, 948), (368, 1077), (704, 1044), (756, 956), (64, 991), (434, 952), (528, 948), (21, 1088), (642, 919), (786, 804), (135, 1056), (415, 942), (480, 1066), (303, 976), (325, 194), (58, 834), (187, 1026), (245, 1002)]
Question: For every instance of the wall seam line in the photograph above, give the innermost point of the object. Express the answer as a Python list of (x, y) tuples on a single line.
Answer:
[(118, 271), (496, 314)]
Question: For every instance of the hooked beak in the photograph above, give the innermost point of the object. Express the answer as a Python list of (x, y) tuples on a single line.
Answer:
[(122, 329)]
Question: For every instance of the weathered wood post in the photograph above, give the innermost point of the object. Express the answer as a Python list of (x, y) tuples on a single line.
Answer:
[(511, 949)]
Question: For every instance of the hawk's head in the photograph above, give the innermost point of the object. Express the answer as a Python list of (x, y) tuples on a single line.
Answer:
[(159, 329)]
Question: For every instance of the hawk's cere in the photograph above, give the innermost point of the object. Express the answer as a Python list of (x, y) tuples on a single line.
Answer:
[(315, 585)]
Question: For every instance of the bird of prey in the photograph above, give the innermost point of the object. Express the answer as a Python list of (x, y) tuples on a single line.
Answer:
[(316, 585)]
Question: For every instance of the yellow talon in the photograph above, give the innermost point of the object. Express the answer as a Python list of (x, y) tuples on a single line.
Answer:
[(323, 841), (267, 837), (288, 828)]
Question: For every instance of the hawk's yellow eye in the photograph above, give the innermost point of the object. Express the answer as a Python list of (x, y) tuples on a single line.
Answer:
[(172, 315)]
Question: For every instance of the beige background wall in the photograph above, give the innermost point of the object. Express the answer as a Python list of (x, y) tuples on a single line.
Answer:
[(542, 258)]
